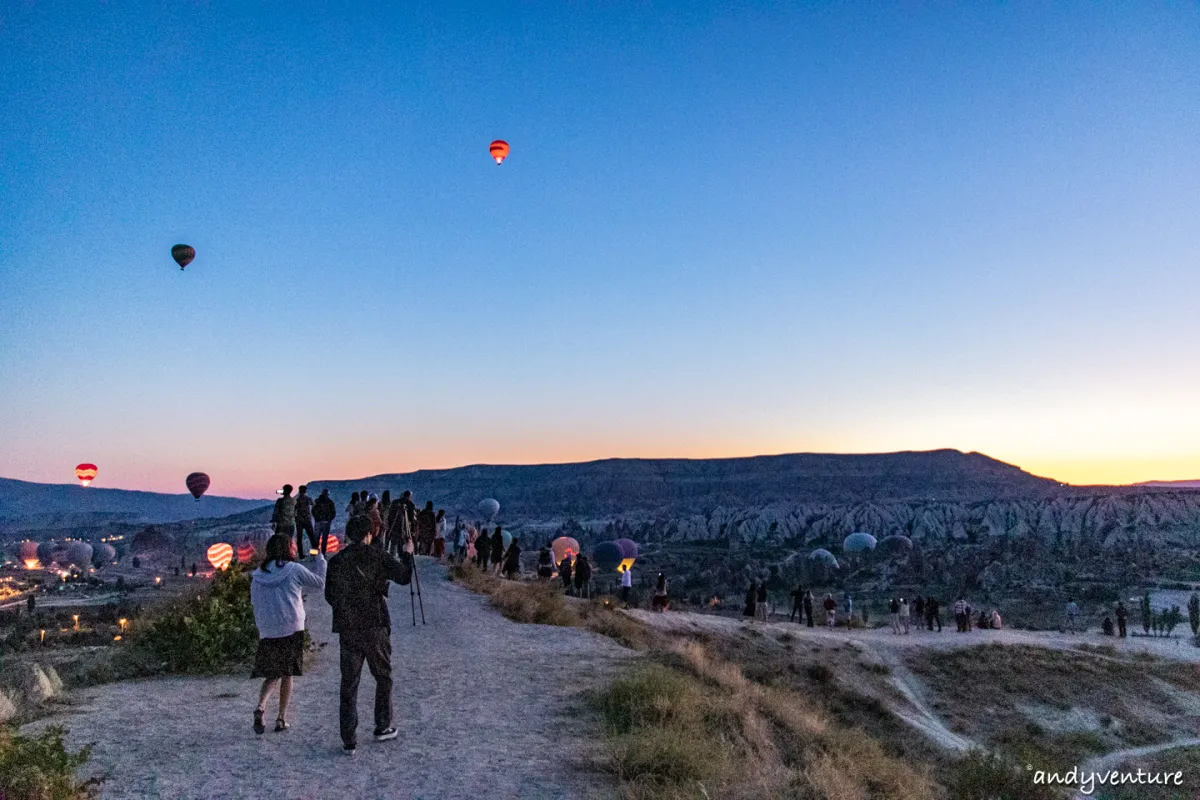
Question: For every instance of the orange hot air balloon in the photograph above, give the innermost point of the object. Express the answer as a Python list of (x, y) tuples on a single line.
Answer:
[(86, 473), (333, 545), (499, 150), (220, 555), (245, 552), (183, 255)]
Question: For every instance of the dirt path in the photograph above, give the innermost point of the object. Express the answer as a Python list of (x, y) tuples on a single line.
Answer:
[(484, 707), (1116, 758)]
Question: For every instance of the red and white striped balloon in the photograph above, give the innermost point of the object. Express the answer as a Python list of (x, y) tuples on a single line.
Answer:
[(220, 555), (86, 473), (333, 545)]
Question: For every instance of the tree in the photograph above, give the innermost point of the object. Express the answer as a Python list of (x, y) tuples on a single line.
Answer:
[(1170, 619), (1194, 613), (1147, 614)]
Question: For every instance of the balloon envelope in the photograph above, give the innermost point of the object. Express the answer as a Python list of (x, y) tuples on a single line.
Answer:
[(45, 553), (245, 552), (27, 551), (86, 473), (564, 547), (896, 545), (505, 538), (859, 543), (197, 483), (220, 555), (151, 543), (103, 554), (79, 554), (606, 556), (823, 557), (183, 254), (499, 150), (489, 508), (333, 545)]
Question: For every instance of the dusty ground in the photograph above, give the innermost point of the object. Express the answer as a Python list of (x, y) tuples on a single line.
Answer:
[(485, 708)]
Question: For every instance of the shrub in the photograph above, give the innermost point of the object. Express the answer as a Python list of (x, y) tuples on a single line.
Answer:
[(41, 768), (989, 776), (200, 636)]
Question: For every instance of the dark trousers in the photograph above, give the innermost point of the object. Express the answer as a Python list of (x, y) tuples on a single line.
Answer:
[(796, 612), (373, 645), (1121, 626), (323, 535), (808, 615), (934, 617), (625, 595), (303, 525), (286, 530), (961, 621)]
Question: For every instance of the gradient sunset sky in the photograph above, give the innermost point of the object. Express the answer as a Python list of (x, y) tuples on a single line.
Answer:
[(724, 229)]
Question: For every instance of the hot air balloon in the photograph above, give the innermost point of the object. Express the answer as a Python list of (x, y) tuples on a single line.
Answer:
[(499, 150), (629, 552), (151, 544), (332, 545), (245, 552), (606, 556), (505, 539), (823, 557), (27, 554), (79, 554), (564, 547), (86, 473), (896, 545), (489, 508), (220, 555), (45, 553), (197, 484), (859, 543), (103, 554), (183, 255)]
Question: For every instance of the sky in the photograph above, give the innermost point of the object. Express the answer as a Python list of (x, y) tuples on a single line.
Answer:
[(724, 229)]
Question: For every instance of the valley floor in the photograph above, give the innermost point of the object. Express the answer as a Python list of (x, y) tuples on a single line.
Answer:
[(485, 708)]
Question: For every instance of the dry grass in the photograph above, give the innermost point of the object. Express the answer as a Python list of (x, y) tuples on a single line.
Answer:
[(689, 723)]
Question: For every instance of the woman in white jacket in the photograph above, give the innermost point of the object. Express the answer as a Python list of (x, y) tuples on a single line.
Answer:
[(279, 614)]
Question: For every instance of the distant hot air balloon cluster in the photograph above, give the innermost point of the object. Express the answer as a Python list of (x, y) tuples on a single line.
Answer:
[(86, 473)]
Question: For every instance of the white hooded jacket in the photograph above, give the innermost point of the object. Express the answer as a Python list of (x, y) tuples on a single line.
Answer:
[(275, 595)]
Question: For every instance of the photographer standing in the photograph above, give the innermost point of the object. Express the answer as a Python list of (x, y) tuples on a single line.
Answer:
[(324, 511), (356, 588), (283, 519)]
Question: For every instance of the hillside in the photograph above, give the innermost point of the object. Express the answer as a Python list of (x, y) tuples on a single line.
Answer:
[(44, 506), (600, 489)]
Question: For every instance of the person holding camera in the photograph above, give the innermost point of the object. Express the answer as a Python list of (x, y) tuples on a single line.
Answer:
[(356, 587)]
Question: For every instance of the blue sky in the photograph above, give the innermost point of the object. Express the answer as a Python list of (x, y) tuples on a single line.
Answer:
[(723, 230)]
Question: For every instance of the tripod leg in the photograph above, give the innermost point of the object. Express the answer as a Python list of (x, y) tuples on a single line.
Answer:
[(420, 599)]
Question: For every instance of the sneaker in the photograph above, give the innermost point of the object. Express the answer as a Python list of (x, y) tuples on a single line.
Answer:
[(349, 749), (386, 734)]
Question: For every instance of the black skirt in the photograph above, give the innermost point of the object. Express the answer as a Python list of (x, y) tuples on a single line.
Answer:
[(279, 658)]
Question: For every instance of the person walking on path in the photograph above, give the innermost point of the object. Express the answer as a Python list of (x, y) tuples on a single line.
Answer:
[(830, 606), (761, 601), (1122, 616), (750, 609), (283, 518), (324, 511), (275, 595), (512, 561), (304, 523), (961, 611), (894, 614), (660, 601), (483, 549), (1072, 612), (626, 584), (356, 588), (848, 607), (498, 552), (583, 577), (933, 613), (905, 615), (427, 529), (797, 604), (809, 600), (439, 534), (918, 609)]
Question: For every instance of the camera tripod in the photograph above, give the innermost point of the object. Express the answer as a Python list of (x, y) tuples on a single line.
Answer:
[(415, 595)]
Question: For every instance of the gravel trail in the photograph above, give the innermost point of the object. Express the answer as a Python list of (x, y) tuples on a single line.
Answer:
[(485, 707)]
